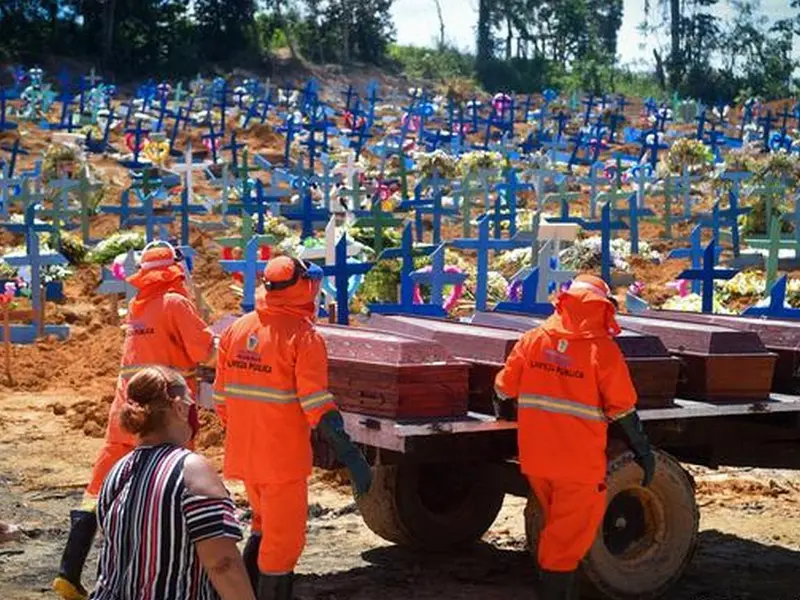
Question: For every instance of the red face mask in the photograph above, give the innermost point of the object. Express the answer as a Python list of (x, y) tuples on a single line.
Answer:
[(193, 420)]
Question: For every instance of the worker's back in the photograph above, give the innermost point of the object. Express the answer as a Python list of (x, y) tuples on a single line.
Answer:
[(562, 418), (268, 433)]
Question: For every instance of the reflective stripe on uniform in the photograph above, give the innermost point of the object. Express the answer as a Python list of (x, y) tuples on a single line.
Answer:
[(622, 415), (313, 401), (561, 406), (262, 394), (218, 398)]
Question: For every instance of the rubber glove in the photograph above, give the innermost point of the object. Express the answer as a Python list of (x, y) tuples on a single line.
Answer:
[(640, 444), (332, 427)]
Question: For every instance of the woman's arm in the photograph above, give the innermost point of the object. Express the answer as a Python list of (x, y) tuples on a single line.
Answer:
[(221, 559), (212, 527)]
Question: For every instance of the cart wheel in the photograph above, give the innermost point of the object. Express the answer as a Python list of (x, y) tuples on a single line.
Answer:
[(433, 506), (648, 535)]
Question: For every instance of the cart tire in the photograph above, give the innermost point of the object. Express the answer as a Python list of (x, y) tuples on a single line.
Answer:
[(648, 535), (432, 506)]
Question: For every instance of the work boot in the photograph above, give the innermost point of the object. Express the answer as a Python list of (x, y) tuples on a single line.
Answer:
[(556, 586), (275, 587), (83, 526), (250, 557)]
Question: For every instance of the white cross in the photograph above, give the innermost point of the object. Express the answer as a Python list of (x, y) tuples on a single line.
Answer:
[(187, 168), (546, 274)]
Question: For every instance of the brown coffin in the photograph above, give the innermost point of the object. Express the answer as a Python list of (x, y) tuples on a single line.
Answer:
[(653, 371), (720, 364), (780, 337), (484, 348), (387, 375)]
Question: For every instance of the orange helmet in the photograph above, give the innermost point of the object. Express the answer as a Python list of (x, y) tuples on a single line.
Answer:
[(160, 261), (590, 287), (291, 281)]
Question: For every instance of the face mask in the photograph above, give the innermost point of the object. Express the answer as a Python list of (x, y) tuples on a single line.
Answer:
[(193, 420)]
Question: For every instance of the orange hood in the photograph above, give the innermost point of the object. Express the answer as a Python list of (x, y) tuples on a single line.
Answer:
[(298, 301), (156, 282), (581, 314)]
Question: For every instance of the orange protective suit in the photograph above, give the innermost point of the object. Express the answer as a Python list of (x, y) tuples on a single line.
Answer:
[(163, 328), (271, 388), (570, 379)]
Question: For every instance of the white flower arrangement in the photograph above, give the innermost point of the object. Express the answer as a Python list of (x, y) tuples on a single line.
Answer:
[(694, 303)]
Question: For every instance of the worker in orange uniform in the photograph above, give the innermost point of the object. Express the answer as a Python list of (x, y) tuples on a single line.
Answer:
[(570, 380), (271, 390), (163, 328)]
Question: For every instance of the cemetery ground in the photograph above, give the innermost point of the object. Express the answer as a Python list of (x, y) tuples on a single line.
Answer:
[(53, 415), (749, 542)]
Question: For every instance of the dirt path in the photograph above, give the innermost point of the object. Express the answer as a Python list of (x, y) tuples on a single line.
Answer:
[(749, 544)]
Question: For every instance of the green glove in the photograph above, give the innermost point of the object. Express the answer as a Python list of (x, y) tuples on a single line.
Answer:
[(640, 445), (332, 427)]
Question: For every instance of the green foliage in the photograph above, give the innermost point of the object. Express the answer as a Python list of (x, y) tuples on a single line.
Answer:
[(428, 63), (687, 152), (72, 247), (755, 222), (106, 251)]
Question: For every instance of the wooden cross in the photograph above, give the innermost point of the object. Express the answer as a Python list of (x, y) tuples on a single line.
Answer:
[(251, 268)]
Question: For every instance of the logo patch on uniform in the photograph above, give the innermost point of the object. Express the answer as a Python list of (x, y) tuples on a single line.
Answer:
[(252, 342), (562, 346)]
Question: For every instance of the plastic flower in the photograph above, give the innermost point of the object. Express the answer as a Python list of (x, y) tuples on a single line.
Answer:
[(681, 285)]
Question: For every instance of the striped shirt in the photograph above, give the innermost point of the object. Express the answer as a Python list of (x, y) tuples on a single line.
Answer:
[(150, 523)]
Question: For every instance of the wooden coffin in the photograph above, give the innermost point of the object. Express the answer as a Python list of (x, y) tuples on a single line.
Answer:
[(484, 348), (387, 375), (653, 371), (719, 364), (779, 337), (382, 374)]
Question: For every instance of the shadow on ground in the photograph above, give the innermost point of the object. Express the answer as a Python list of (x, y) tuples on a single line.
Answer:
[(725, 567)]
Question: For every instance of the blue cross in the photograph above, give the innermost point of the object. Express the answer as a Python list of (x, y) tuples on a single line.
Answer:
[(186, 209), (766, 123), (149, 214), (695, 253), (633, 212), (5, 124), (35, 261), (342, 271), (15, 151), (233, 147), (173, 136), (213, 136), (605, 226), (528, 303), (776, 308), (406, 305), (305, 211), (163, 111), (595, 179), (652, 146), (111, 285), (432, 205), (510, 188), (99, 147), (707, 275), (482, 246), (437, 278), (250, 268), (138, 134)]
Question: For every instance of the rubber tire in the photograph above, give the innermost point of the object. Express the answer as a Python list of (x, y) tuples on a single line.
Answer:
[(676, 521), (395, 510)]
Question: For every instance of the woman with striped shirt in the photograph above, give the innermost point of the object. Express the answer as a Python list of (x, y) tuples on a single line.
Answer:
[(168, 523)]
